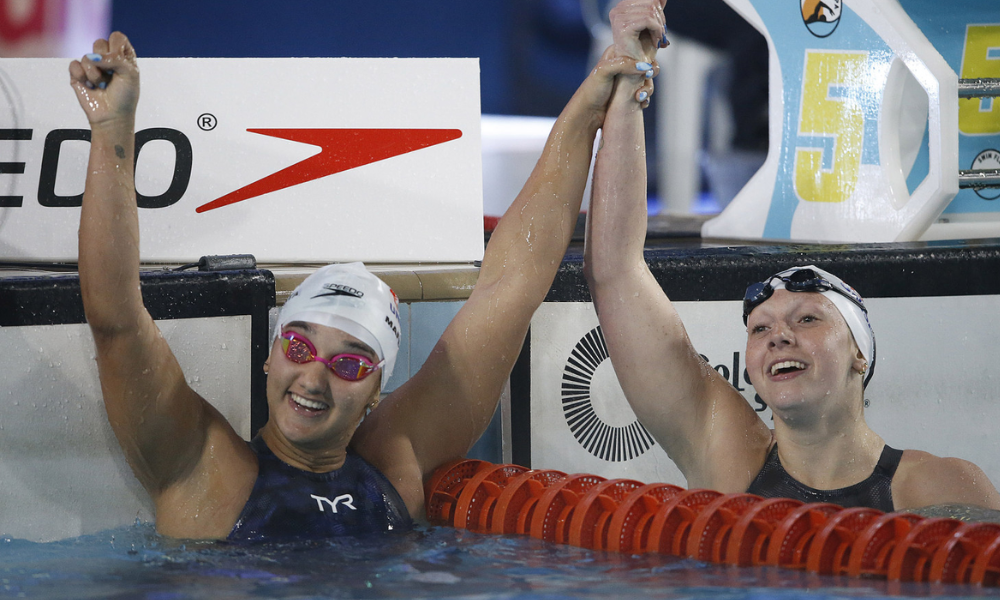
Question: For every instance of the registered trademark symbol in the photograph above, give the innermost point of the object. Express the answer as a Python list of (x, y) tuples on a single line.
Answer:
[(207, 121)]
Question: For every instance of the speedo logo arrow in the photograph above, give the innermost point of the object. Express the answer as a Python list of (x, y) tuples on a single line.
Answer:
[(341, 149)]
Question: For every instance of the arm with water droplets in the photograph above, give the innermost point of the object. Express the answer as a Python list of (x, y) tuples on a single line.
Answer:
[(160, 422), (109, 226), (704, 425), (444, 408)]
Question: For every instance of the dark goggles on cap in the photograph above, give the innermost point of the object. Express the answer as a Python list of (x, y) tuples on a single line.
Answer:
[(802, 280), (806, 280)]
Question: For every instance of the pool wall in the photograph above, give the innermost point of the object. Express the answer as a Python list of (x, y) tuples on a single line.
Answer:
[(62, 473), (932, 307)]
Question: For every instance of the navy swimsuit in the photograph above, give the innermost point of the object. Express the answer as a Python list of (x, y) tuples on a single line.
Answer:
[(286, 502), (874, 492)]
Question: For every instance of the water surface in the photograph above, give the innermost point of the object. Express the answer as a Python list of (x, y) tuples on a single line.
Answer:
[(436, 562)]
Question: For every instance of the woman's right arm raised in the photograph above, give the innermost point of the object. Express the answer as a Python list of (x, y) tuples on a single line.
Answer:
[(160, 422), (704, 425)]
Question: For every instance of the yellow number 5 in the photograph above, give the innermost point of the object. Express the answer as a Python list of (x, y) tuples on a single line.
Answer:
[(826, 167), (981, 59)]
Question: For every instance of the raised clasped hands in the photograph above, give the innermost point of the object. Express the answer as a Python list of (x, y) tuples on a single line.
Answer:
[(639, 29), (106, 81)]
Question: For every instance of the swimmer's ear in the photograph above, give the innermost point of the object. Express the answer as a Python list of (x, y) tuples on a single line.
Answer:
[(860, 364)]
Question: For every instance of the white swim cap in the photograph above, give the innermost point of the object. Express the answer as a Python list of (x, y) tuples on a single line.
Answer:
[(813, 279), (349, 298)]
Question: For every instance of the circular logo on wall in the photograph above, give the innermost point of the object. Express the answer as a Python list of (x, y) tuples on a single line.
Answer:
[(584, 375), (821, 16), (987, 160)]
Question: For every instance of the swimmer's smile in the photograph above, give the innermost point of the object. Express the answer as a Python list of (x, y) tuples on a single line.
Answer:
[(304, 406), (786, 369)]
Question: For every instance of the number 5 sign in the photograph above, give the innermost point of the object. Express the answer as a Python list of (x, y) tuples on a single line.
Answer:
[(863, 127)]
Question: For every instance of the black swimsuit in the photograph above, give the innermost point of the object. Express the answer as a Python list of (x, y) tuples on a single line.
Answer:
[(874, 492), (286, 502)]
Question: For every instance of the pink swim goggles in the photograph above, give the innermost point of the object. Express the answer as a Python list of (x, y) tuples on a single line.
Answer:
[(351, 367)]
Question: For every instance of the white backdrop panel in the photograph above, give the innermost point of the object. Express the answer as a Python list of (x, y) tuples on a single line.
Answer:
[(62, 471), (935, 386), (413, 205)]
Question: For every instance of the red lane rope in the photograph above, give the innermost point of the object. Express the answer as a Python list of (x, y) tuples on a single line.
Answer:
[(623, 515), (831, 550), (629, 527), (953, 561), (751, 537)]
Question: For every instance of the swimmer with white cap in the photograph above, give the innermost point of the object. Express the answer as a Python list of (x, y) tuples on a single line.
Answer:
[(810, 353), (334, 348)]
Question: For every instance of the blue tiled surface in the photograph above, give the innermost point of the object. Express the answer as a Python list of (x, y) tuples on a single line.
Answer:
[(422, 325), (401, 372), (428, 321)]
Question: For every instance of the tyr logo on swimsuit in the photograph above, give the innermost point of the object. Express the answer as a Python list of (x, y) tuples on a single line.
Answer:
[(344, 500)]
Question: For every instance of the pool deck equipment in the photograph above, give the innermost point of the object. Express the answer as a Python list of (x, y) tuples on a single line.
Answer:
[(589, 511)]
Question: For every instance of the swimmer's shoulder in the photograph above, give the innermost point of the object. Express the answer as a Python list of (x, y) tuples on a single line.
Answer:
[(924, 479), (383, 440), (206, 503)]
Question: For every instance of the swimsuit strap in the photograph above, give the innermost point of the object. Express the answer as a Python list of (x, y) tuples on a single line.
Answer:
[(889, 460), (875, 491)]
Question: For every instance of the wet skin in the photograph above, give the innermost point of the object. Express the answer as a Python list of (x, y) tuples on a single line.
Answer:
[(198, 471), (801, 354), (313, 412)]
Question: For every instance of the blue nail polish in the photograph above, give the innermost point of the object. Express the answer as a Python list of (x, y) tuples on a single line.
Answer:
[(643, 66), (88, 84), (102, 84), (643, 96), (93, 56), (649, 73)]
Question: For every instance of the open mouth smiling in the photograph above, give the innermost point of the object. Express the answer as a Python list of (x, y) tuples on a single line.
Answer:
[(308, 405), (787, 366)]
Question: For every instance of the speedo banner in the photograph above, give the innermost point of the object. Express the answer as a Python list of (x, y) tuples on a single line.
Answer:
[(863, 126), (291, 160)]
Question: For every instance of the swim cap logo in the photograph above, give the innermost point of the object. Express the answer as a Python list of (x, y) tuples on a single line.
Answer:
[(337, 289), (821, 16), (392, 326), (987, 159), (607, 442), (853, 294)]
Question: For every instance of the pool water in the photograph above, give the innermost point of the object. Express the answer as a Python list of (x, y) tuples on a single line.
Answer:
[(435, 562)]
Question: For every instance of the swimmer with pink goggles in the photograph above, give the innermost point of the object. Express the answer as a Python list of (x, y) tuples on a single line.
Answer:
[(349, 298), (350, 367)]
